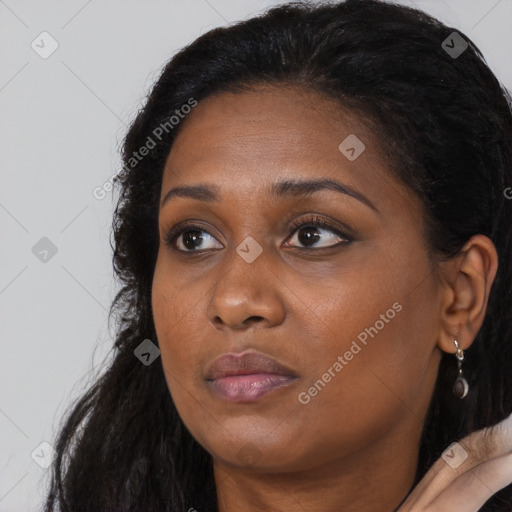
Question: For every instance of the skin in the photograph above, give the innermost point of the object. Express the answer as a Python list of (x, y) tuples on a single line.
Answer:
[(354, 445), (486, 470)]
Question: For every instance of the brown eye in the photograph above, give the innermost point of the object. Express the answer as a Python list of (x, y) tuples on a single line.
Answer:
[(308, 235), (317, 233), (313, 236), (190, 239)]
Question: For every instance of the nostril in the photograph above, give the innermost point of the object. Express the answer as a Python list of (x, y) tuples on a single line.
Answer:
[(251, 318)]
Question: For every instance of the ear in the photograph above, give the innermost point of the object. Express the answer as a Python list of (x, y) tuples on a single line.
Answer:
[(466, 284)]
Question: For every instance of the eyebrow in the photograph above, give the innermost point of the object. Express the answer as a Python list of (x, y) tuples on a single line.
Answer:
[(285, 188)]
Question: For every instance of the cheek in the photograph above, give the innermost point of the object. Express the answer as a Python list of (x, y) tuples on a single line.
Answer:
[(171, 309), (370, 369), (178, 362), (174, 302), (380, 320)]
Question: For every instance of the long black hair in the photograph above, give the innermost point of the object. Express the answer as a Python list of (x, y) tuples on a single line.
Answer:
[(445, 123)]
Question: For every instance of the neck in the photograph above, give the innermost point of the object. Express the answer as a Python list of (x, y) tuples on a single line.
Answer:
[(375, 478)]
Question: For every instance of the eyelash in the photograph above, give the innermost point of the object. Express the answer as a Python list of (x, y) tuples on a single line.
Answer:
[(313, 221)]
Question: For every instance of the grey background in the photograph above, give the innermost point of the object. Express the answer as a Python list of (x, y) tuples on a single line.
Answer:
[(62, 119)]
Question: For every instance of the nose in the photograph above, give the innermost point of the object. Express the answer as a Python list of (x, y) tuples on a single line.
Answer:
[(247, 294)]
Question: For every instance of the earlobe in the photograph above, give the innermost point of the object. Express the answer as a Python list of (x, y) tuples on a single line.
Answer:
[(468, 280)]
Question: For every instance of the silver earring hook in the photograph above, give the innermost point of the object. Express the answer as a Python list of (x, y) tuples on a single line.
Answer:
[(461, 386)]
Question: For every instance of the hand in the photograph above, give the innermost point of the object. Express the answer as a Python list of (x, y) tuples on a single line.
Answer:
[(466, 487)]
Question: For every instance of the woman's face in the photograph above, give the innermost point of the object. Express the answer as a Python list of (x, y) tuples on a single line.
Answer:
[(350, 308)]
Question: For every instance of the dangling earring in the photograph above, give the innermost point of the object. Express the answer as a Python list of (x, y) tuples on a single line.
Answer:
[(461, 386)]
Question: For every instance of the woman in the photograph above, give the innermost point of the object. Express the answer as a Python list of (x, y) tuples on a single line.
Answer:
[(313, 233)]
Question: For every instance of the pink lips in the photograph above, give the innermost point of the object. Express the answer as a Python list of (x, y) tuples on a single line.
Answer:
[(247, 377)]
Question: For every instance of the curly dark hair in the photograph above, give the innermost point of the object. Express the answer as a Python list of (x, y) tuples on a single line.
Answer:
[(445, 123)]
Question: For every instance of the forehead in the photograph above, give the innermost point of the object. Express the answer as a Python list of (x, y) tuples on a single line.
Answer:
[(277, 123), (244, 141)]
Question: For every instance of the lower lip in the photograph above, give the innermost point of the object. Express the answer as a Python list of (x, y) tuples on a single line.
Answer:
[(248, 388)]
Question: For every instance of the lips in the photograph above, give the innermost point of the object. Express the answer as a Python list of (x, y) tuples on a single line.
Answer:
[(247, 377), (247, 363)]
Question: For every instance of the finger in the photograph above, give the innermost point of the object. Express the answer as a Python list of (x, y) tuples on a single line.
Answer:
[(474, 487), (476, 448)]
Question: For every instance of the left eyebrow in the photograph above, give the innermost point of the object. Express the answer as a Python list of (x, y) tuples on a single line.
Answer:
[(293, 188), (285, 188)]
